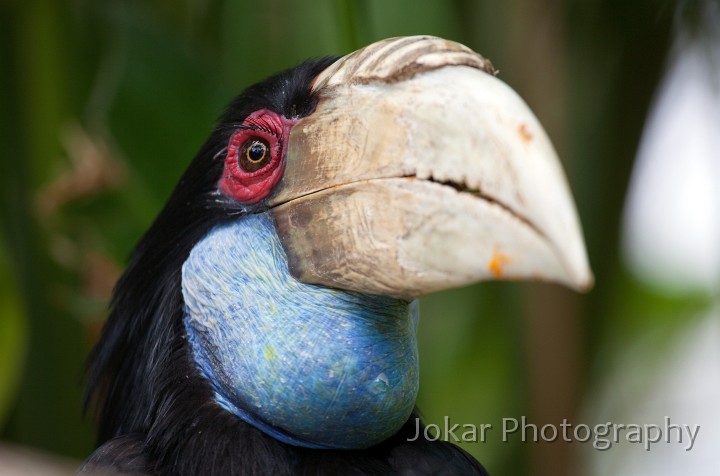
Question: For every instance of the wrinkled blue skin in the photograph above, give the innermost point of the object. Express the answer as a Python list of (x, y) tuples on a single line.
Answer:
[(308, 365)]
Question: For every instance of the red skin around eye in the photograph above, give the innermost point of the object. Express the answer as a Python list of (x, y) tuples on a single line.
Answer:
[(253, 187)]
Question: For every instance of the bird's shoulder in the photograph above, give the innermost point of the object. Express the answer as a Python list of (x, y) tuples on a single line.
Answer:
[(121, 456)]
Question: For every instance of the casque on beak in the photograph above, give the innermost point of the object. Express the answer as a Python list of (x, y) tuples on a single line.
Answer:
[(420, 171)]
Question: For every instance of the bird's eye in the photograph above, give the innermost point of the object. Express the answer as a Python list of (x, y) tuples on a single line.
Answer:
[(254, 155)]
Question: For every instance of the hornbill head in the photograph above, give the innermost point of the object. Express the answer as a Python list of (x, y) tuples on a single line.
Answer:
[(274, 298)]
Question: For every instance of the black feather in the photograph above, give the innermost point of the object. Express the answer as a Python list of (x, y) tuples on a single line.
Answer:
[(156, 414)]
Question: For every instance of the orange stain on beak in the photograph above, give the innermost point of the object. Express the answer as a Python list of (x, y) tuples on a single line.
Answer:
[(496, 264), (524, 133)]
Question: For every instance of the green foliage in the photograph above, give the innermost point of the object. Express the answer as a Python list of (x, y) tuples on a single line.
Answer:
[(13, 336)]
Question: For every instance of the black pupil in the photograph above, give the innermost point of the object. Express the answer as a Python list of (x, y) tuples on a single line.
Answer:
[(254, 155), (257, 152)]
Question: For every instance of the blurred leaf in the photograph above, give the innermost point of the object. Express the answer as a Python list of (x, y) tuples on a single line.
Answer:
[(13, 335)]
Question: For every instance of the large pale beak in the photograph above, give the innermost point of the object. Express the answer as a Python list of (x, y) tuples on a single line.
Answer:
[(420, 171)]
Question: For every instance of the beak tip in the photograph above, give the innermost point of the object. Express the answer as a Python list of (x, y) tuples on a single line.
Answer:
[(579, 276), (585, 283)]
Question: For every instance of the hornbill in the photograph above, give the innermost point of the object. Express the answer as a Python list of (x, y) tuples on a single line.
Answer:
[(266, 322)]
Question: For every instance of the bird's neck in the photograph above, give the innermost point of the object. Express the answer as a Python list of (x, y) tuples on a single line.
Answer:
[(308, 365)]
